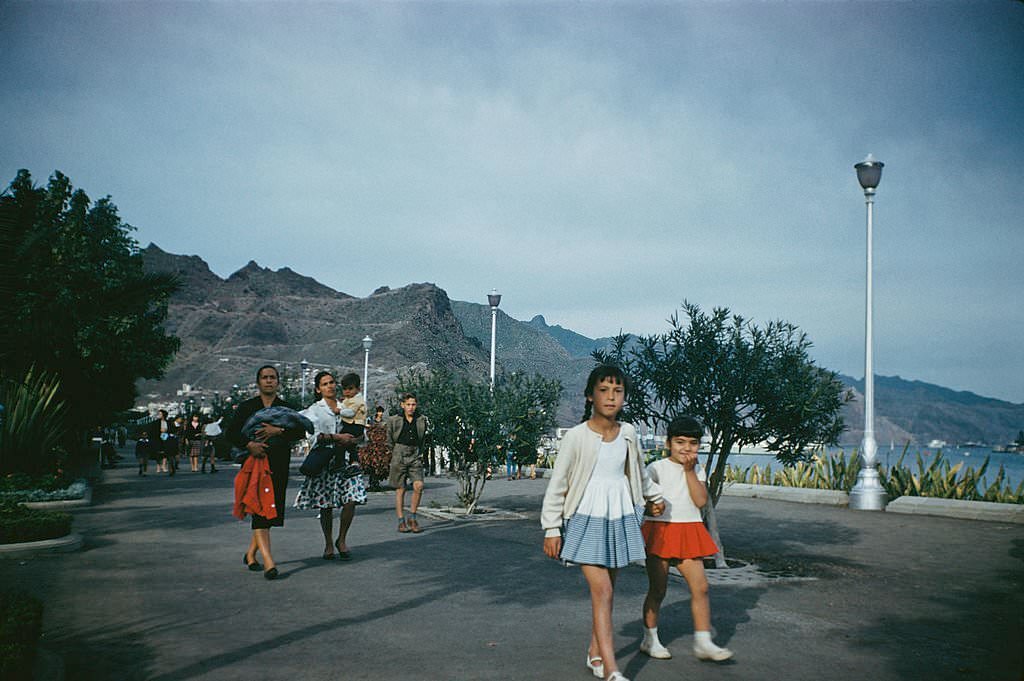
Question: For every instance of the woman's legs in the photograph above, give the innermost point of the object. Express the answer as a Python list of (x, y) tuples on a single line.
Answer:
[(195, 463), (602, 588), (348, 512), (327, 527), (261, 538)]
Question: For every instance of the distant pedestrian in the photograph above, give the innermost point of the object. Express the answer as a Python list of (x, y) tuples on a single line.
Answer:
[(678, 537), (274, 444), (142, 452), (406, 433), (210, 432), (378, 415), (192, 438), (163, 444), (596, 489)]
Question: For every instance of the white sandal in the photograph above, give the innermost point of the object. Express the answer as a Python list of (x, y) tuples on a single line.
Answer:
[(617, 676), (595, 669)]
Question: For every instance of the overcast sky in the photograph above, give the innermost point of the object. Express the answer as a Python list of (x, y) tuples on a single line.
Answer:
[(598, 163)]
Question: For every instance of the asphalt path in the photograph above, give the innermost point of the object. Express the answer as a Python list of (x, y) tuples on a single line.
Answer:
[(159, 592)]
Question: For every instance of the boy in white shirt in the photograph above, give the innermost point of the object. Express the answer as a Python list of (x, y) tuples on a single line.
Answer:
[(678, 537)]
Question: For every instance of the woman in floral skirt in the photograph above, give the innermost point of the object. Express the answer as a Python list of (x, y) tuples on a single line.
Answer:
[(332, 488)]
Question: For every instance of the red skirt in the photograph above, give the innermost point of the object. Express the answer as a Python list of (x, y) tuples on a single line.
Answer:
[(678, 540)]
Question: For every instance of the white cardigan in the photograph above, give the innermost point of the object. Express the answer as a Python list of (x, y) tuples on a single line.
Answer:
[(577, 456)]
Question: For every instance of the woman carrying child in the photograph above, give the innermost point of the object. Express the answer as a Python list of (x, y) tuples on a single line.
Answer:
[(597, 489), (331, 488), (677, 537)]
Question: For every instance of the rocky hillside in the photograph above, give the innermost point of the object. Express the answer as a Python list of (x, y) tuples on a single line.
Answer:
[(230, 326), (921, 412)]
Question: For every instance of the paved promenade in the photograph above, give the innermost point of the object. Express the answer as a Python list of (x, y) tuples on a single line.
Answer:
[(159, 592)]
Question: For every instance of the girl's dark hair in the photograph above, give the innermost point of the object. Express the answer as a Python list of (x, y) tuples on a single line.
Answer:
[(600, 373), (350, 380), (316, 382), (267, 366)]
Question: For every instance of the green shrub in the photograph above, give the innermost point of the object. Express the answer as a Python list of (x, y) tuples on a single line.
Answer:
[(18, 523), (33, 424), (21, 619), (938, 479)]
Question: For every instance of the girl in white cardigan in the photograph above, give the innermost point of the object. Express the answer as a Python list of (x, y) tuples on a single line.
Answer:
[(595, 498)]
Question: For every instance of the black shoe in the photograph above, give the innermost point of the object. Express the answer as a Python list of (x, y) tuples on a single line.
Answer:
[(254, 566), (270, 574)]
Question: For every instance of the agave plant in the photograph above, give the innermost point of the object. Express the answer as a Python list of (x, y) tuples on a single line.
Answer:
[(33, 421)]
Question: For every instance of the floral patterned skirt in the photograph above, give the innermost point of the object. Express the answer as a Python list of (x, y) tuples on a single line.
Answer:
[(331, 490)]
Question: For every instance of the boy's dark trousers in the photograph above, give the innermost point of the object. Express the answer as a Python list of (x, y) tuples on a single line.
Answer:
[(209, 454)]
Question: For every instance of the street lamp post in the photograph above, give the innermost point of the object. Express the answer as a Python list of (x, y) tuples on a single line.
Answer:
[(305, 367), (868, 494), (493, 299), (367, 342)]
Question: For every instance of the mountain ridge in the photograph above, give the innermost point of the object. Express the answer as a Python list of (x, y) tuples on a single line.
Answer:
[(257, 315)]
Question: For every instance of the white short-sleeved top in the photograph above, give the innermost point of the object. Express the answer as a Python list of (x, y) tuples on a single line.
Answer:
[(679, 507)]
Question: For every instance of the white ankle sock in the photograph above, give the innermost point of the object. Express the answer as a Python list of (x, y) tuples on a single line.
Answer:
[(651, 635), (702, 637)]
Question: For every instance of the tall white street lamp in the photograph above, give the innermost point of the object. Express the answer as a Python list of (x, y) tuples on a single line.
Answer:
[(367, 342), (305, 368), (494, 300), (868, 494)]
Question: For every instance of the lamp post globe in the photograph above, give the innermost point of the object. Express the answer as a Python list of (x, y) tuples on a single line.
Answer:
[(494, 300), (868, 494), (367, 343), (305, 368)]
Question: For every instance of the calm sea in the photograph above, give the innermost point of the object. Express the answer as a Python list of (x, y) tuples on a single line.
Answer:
[(971, 458)]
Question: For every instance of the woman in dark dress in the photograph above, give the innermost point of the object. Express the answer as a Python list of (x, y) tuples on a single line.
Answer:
[(271, 442)]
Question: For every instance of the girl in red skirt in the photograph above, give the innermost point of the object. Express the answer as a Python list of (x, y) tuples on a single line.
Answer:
[(678, 537)]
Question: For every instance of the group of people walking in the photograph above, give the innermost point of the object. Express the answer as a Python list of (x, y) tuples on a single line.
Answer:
[(602, 509), (165, 441), (336, 422)]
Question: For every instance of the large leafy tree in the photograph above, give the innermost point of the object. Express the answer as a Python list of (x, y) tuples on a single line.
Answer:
[(77, 301), (749, 385), (477, 425)]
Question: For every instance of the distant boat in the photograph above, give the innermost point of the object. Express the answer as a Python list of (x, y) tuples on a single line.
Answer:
[(937, 444), (1011, 448)]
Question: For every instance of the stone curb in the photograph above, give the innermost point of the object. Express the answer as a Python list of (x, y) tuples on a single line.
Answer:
[(949, 508), (28, 549), (828, 497), (956, 508)]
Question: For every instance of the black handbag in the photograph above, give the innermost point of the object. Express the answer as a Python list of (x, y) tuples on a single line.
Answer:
[(316, 461)]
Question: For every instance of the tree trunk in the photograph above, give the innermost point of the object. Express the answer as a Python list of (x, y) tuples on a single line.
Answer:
[(711, 521), (715, 480)]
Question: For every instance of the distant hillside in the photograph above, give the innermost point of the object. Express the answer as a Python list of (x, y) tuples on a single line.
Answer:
[(230, 326), (255, 316), (921, 412), (575, 344)]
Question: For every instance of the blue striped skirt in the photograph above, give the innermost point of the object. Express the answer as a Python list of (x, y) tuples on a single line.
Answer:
[(609, 542)]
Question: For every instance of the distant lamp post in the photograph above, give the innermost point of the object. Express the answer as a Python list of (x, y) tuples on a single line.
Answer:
[(367, 342), (305, 369), (494, 300), (868, 494)]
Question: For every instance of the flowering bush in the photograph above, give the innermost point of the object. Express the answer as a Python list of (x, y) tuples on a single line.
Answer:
[(375, 457)]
